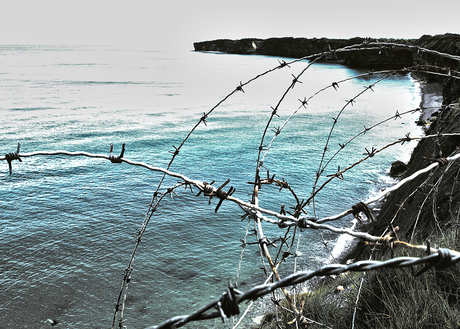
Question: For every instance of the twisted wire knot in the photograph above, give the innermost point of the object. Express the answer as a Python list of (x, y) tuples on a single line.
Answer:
[(282, 224), (12, 156), (361, 207), (223, 195), (116, 158), (228, 303), (445, 259), (441, 161), (302, 223)]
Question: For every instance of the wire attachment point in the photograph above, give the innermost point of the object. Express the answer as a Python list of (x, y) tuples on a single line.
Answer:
[(228, 303), (223, 195), (441, 161), (240, 87), (114, 158), (405, 139), (444, 261), (12, 156), (303, 103), (361, 207)]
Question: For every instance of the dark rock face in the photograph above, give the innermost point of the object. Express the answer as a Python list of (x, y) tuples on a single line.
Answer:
[(243, 46), (376, 59), (387, 58), (300, 47), (397, 168), (445, 43), (430, 202)]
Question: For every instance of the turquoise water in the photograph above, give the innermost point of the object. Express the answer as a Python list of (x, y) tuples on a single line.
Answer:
[(67, 223)]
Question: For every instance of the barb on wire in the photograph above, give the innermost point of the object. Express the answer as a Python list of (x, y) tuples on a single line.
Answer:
[(116, 159), (210, 191), (12, 156)]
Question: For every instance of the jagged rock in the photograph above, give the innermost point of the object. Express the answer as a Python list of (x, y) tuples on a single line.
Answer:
[(397, 168), (445, 43)]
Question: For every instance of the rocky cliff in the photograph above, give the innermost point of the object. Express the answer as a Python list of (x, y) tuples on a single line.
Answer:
[(430, 205), (301, 47), (388, 57)]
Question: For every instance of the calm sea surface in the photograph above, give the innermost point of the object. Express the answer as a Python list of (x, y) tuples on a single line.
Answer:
[(67, 222)]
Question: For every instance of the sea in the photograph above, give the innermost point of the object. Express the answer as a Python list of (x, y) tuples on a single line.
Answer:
[(68, 223)]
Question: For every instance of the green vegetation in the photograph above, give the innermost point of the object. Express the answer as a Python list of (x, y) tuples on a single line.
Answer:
[(389, 298)]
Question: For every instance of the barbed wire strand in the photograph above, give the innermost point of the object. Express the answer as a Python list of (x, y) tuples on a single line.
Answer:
[(284, 219), (257, 175), (176, 151), (304, 103), (439, 259)]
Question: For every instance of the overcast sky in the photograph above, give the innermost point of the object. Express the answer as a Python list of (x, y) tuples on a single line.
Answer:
[(176, 24)]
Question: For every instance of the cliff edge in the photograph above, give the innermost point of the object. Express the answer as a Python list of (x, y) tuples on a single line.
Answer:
[(302, 47), (429, 205)]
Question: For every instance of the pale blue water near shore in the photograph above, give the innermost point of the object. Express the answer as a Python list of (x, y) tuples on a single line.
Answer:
[(66, 223)]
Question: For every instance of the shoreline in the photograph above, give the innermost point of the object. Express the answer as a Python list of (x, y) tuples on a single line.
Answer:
[(430, 102), (431, 98), (433, 91)]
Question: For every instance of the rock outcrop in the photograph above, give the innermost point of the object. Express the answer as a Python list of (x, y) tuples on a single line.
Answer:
[(301, 47), (397, 168), (430, 204), (386, 58)]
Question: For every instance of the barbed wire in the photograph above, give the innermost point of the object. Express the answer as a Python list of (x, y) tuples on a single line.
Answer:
[(155, 203), (282, 220), (252, 209), (440, 259)]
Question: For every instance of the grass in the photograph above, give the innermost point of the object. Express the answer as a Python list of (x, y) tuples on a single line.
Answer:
[(325, 305), (389, 298)]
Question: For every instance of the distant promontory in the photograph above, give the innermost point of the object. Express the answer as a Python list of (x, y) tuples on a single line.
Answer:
[(289, 47)]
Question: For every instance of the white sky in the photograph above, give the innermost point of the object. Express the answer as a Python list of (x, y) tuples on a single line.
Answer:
[(176, 24)]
